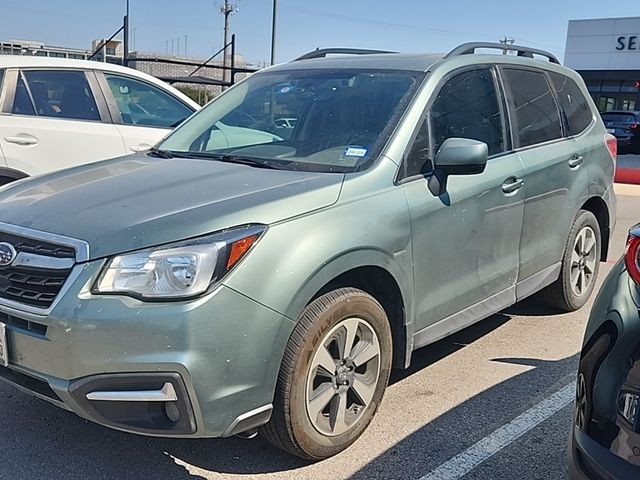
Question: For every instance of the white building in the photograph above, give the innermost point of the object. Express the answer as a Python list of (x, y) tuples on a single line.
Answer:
[(606, 52)]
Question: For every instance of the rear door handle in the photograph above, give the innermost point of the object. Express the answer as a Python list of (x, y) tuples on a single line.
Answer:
[(512, 185), (22, 139), (576, 161)]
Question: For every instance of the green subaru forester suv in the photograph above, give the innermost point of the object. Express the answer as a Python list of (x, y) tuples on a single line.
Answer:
[(228, 282)]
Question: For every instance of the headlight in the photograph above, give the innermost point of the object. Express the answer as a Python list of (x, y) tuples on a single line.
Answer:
[(179, 270)]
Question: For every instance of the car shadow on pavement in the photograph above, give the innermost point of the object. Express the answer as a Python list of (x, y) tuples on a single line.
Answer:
[(39, 440), (464, 425)]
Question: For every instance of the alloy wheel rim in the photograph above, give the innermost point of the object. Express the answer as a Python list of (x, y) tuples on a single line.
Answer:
[(343, 376), (581, 403), (583, 261)]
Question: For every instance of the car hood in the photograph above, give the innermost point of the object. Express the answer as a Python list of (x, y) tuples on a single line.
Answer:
[(139, 201)]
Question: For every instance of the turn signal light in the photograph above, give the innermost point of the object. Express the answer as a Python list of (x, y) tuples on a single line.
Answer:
[(632, 258), (239, 248), (633, 125)]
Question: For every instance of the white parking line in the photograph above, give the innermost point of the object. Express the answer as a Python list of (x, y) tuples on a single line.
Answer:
[(473, 456)]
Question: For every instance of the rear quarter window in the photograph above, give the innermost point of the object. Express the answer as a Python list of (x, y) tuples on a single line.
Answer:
[(573, 103), (534, 113)]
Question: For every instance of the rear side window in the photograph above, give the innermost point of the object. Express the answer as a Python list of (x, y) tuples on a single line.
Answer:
[(1, 77), (574, 104), (60, 94), (534, 114)]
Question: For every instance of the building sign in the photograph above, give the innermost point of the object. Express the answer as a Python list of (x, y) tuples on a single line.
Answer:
[(603, 44), (628, 43)]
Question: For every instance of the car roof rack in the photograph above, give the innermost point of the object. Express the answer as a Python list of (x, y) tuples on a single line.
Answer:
[(323, 52), (470, 49)]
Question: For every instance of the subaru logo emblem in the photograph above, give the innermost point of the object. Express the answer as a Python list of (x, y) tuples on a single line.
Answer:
[(7, 254)]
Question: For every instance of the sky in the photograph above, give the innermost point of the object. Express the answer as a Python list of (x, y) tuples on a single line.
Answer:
[(400, 25)]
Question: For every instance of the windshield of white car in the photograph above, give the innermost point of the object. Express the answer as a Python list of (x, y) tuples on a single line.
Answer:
[(319, 120)]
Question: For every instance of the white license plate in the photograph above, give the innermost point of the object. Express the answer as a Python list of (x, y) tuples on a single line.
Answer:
[(4, 348), (611, 130)]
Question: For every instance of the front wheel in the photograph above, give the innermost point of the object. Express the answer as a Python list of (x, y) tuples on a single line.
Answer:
[(333, 376), (580, 265)]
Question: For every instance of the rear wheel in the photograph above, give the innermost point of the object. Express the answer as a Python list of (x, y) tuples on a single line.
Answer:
[(333, 375), (580, 265)]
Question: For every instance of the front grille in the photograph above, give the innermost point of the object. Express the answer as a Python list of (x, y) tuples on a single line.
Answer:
[(38, 247), (30, 284), (34, 287)]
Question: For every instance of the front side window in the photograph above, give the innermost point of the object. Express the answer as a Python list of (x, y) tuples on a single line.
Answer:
[(59, 94), (574, 104), (323, 120), (143, 104), (467, 107), (534, 114)]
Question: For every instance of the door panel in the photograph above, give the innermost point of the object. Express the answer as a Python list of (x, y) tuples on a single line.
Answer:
[(55, 144), (55, 123), (553, 192), (555, 170), (465, 243)]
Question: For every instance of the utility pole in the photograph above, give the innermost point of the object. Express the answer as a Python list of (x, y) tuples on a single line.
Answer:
[(167, 46), (185, 45), (507, 41), (125, 46), (227, 9), (178, 39), (273, 34)]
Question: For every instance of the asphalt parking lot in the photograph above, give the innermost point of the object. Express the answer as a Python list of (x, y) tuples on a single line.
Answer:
[(457, 392)]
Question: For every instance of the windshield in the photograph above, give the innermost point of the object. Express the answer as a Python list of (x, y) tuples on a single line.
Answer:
[(320, 120)]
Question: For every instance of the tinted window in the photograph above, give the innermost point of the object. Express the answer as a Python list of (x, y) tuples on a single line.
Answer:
[(143, 104), (467, 107), (535, 116), (619, 117), (1, 77), (573, 103), (341, 119), (61, 94), (22, 101)]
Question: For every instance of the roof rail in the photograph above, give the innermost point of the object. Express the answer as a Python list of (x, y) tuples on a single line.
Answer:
[(323, 52), (470, 49)]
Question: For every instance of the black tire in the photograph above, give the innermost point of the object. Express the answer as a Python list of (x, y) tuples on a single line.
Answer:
[(291, 428), (560, 294)]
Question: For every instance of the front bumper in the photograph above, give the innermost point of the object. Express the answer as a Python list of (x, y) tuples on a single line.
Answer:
[(220, 354), (588, 460)]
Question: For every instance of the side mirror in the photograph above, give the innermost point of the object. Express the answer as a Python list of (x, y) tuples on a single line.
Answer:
[(457, 156)]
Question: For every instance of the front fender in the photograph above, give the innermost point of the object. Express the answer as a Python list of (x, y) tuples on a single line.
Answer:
[(296, 258)]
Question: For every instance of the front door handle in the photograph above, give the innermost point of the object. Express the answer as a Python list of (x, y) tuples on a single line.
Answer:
[(512, 185), (576, 161), (22, 139), (141, 147)]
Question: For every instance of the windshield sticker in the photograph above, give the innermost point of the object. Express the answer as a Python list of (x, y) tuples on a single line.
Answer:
[(286, 89), (355, 152)]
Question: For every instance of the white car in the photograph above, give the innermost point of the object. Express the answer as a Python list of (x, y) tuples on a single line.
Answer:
[(57, 113)]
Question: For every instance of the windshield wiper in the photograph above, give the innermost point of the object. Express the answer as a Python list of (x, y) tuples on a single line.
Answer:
[(221, 157), (155, 152)]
